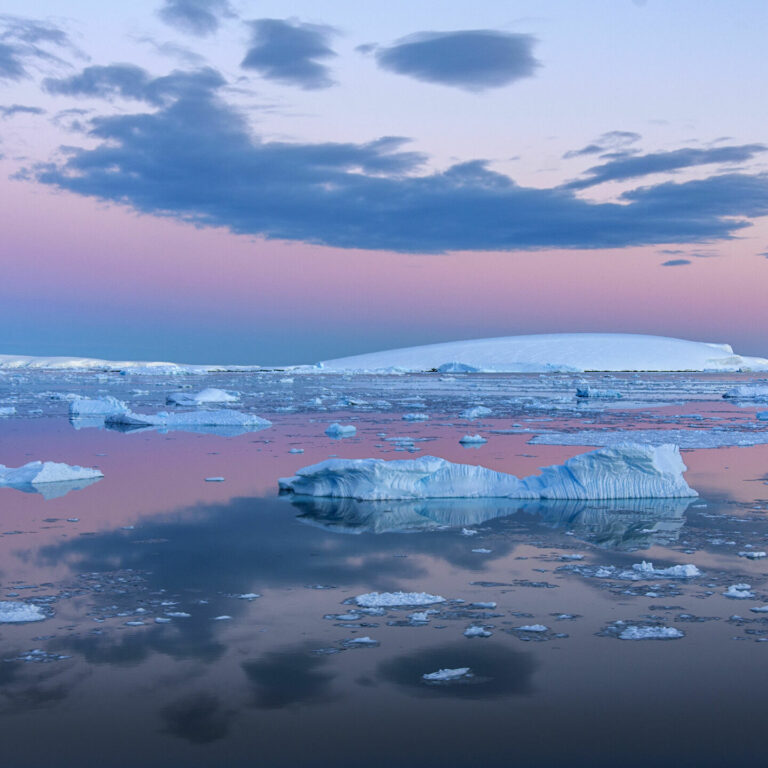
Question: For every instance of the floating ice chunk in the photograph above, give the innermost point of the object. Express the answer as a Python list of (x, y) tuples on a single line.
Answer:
[(394, 599), (337, 430), (18, 613), (687, 571), (753, 554), (415, 417), (419, 616), (208, 395), (473, 440), (222, 618), (361, 641), (533, 628), (189, 419), (650, 633), (84, 407), (625, 472), (214, 479), (44, 472), (759, 609), (475, 413), (296, 450), (469, 532), (476, 631), (162, 620), (178, 614), (482, 551), (739, 592), (7, 410), (748, 392), (612, 394), (248, 596), (446, 675)]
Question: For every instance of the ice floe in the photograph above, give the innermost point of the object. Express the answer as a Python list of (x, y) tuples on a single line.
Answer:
[(447, 675), (50, 478), (208, 395), (739, 592), (628, 471), (337, 430), (473, 440), (188, 420), (748, 392), (87, 408), (635, 632), (394, 599), (603, 394), (12, 612)]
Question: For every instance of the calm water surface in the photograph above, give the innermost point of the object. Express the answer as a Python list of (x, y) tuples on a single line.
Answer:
[(228, 678)]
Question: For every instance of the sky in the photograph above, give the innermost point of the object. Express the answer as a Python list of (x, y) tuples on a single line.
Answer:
[(262, 182)]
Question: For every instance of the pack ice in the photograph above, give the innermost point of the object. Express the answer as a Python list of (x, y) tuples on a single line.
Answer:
[(624, 472)]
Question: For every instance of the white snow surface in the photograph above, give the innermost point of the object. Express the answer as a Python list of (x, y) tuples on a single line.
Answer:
[(650, 633), (574, 352), (42, 472), (687, 571), (12, 612), (208, 395), (393, 599), (624, 472), (66, 363)]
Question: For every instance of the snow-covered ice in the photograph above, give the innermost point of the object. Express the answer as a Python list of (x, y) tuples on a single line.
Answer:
[(635, 632), (394, 599), (739, 592), (446, 675), (337, 430), (476, 631), (188, 420), (208, 395), (630, 471), (687, 571), (85, 407), (44, 472), (12, 612), (473, 440), (575, 352)]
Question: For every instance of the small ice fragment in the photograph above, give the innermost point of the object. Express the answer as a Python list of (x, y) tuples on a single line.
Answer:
[(296, 450), (415, 417), (12, 612), (446, 675), (739, 592), (178, 614), (361, 641), (248, 596), (753, 555), (475, 413), (533, 628), (162, 620), (473, 440), (469, 532), (650, 633), (391, 599), (214, 479), (222, 618), (759, 609), (337, 430), (482, 551), (475, 631)]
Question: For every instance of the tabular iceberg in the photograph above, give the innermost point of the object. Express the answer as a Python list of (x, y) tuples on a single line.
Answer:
[(208, 395), (218, 418), (624, 472), (86, 407)]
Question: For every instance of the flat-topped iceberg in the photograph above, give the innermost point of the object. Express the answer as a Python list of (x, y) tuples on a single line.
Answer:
[(88, 408), (187, 419), (568, 352), (625, 472), (50, 478), (208, 395)]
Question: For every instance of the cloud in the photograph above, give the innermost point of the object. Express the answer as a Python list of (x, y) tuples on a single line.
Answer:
[(612, 140), (195, 17), (675, 263), (474, 59), (289, 52), (195, 159), (131, 82), (19, 109), (24, 41), (630, 167)]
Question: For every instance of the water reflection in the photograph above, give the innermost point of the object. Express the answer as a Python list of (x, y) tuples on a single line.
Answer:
[(635, 523), (54, 490)]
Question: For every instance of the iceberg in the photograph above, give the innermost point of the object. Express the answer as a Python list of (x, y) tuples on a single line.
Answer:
[(189, 420), (12, 612), (748, 392), (606, 394), (568, 352), (208, 395), (338, 431), (396, 599), (45, 472), (475, 413), (625, 472), (88, 408)]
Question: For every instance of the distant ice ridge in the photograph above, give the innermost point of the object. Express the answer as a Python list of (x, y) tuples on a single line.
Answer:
[(568, 352), (624, 472), (47, 363), (44, 472), (220, 418), (208, 395)]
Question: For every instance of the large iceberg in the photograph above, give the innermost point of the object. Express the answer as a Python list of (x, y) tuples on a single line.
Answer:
[(88, 408), (208, 395), (556, 352), (625, 472)]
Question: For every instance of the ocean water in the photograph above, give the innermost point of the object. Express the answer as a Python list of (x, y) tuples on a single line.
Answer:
[(194, 623)]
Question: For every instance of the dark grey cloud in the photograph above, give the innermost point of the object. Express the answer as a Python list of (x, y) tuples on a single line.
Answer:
[(291, 52), (474, 59), (26, 41), (195, 159), (131, 82), (195, 17), (675, 263), (19, 109), (630, 167)]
